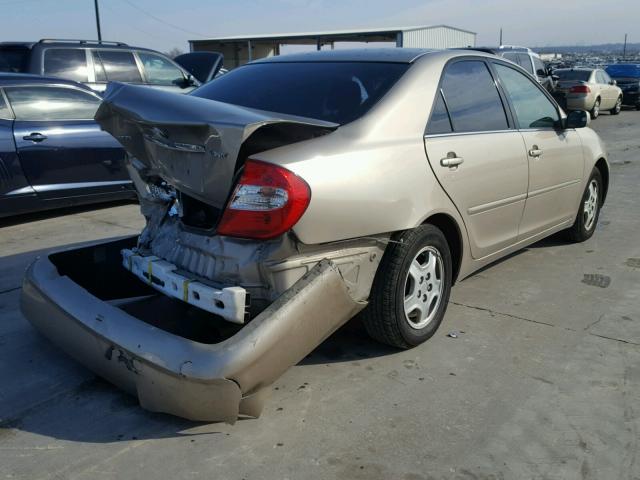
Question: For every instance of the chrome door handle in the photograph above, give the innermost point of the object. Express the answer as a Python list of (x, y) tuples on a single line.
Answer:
[(451, 160), (535, 152), (35, 137)]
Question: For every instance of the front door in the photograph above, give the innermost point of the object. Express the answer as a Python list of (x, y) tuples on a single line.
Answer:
[(477, 157), (554, 154), (61, 149)]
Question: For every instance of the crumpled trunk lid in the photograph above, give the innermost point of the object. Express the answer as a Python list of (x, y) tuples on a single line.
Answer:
[(192, 143)]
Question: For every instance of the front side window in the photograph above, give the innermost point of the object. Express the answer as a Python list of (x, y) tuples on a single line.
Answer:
[(51, 103), (525, 61), (69, 63), (472, 97), (532, 107), (160, 71), (117, 66), (541, 70)]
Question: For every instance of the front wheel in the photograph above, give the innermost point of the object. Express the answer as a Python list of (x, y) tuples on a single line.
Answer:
[(411, 290), (617, 108), (595, 111), (589, 211)]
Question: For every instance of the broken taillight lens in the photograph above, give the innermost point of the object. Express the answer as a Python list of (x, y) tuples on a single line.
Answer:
[(267, 201)]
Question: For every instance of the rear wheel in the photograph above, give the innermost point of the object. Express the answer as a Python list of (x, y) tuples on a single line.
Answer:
[(595, 111), (587, 218), (411, 290), (617, 108), (637, 106)]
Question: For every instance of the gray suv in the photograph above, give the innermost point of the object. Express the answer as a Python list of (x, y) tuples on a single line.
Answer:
[(97, 63)]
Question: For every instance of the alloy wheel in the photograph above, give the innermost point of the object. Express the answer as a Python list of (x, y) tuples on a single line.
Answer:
[(424, 286)]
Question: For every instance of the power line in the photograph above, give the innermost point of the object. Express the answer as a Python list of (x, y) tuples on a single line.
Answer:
[(157, 19), (131, 25)]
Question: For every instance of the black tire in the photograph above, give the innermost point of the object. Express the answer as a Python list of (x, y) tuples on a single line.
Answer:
[(595, 111), (637, 106), (580, 231), (618, 107), (385, 318)]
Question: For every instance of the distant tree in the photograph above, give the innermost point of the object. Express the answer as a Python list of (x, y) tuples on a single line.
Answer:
[(174, 52)]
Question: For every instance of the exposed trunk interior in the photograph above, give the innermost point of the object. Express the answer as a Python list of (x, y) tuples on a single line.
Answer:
[(98, 269)]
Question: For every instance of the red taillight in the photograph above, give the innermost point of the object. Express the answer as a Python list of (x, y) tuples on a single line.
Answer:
[(580, 89), (267, 201)]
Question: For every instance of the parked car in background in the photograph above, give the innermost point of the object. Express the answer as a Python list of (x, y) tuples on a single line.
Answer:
[(589, 89), (97, 63), (52, 152), (627, 75), (527, 59), (294, 192)]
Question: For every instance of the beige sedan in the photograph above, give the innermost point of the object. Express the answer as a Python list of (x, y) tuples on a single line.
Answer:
[(588, 89), (295, 192)]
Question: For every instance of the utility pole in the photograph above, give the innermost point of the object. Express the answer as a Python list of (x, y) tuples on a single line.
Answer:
[(500, 43), (624, 49), (95, 3)]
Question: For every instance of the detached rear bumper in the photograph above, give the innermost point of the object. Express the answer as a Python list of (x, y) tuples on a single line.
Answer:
[(169, 373)]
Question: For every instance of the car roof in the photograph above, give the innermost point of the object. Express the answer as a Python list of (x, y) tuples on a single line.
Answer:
[(391, 55), (73, 43), (12, 79)]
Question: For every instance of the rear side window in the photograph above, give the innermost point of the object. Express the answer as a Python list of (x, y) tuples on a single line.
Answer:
[(116, 66), (14, 60), (69, 63), (159, 71), (472, 98), (532, 107), (51, 103), (439, 121), (525, 62), (336, 92)]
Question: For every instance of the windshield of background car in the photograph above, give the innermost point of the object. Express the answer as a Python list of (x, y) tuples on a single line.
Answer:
[(624, 70), (14, 60), (579, 75), (338, 92)]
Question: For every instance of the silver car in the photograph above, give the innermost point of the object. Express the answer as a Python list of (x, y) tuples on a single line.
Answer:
[(293, 193)]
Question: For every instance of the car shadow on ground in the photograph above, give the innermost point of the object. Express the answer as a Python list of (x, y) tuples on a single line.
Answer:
[(60, 212)]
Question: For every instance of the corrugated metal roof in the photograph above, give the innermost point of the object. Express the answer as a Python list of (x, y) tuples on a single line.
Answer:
[(362, 31)]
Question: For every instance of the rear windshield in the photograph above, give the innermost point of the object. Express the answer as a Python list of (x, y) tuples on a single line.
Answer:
[(338, 92), (580, 75), (14, 60)]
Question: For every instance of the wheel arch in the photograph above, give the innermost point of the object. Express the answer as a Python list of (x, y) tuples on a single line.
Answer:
[(453, 234)]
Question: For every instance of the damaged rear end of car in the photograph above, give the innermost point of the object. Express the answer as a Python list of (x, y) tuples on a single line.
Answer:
[(217, 297)]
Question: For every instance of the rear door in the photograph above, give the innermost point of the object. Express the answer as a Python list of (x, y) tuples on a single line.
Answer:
[(61, 149), (477, 155), (554, 155)]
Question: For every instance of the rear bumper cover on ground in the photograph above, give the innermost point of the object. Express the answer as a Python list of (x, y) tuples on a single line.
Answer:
[(171, 374)]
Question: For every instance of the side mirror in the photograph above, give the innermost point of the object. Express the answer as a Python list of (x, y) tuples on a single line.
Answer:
[(577, 119), (185, 82), (613, 82)]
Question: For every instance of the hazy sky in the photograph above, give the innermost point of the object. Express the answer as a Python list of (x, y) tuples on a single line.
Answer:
[(164, 24)]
